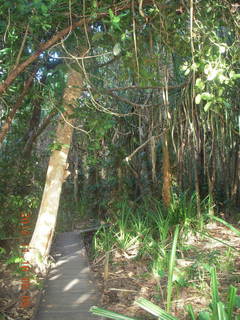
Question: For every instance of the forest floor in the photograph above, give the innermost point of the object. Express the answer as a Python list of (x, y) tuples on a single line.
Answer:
[(11, 293), (128, 278), (122, 279)]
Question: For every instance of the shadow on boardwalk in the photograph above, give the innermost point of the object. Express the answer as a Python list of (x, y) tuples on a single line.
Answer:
[(69, 291)]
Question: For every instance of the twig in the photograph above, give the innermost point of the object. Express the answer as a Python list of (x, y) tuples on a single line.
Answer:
[(141, 146), (120, 289), (131, 103), (106, 266), (8, 25), (147, 87), (22, 47)]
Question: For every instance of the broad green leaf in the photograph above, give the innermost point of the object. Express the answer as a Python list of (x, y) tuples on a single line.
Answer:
[(117, 49), (237, 302), (198, 98), (200, 84), (5, 51), (207, 96), (236, 76), (204, 315), (207, 106)]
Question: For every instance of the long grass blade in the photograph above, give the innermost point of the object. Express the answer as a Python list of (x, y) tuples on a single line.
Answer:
[(171, 268), (189, 309), (221, 312), (155, 310), (214, 289), (231, 301), (109, 314), (220, 241), (226, 224)]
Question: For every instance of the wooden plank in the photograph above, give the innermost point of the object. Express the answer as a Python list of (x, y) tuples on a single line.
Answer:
[(69, 290)]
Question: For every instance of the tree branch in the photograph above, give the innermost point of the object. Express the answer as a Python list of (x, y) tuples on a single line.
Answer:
[(131, 103), (59, 36), (148, 87)]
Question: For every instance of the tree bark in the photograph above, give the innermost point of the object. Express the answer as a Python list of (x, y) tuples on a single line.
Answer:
[(40, 243), (166, 189), (35, 134)]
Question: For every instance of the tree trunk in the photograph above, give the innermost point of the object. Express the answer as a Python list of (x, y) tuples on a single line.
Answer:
[(29, 144), (6, 126), (40, 243), (33, 126), (166, 189), (75, 179)]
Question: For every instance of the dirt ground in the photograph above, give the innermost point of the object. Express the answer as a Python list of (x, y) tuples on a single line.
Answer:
[(121, 279)]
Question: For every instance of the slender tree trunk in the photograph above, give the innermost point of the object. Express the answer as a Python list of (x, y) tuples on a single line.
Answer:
[(75, 179), (166, 189), (29, 144), (236, 175), (33, 126), (40, 243), (6, 126)]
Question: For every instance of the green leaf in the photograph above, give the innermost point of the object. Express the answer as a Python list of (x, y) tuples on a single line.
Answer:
[(207, 106), (198, 98), (231, 301), (44, 8), (109, 314), (97, 36), (171, 268), (221, 311), (204, 315), (226, 224), (115, 20), (200, 84), (214, 291), (117, 49), (154, 309), (190, 311), (207, 96), (237, 302), (5, 51), (235, 76)]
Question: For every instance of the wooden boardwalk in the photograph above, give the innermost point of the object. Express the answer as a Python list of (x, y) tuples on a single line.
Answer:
[(69, 291)]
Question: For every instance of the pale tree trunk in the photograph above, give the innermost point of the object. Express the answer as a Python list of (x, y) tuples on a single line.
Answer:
[(75, 179), (41, 241)]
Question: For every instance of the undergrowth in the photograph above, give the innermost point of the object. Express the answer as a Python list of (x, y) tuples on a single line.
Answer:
[(152, 233), (146, 230)]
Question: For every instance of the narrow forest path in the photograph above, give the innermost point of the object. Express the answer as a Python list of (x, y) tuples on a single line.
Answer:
[(69, 291)]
